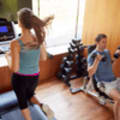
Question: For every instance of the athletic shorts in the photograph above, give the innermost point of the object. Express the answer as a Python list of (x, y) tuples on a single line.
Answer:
[(112, 85)]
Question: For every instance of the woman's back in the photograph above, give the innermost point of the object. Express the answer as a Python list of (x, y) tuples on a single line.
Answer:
[(29, 59)]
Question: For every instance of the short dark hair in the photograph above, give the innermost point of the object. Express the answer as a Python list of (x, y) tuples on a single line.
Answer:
[(100, 37)]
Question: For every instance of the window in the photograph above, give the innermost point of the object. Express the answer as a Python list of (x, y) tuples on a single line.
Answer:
[(62, 30)]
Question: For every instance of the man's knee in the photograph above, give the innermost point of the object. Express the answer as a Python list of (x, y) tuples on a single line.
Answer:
[(115, 94)]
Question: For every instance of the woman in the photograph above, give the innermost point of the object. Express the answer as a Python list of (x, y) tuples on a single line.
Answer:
[(25, 53)]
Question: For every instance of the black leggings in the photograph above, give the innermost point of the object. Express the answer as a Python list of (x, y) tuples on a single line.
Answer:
[(24, 87)]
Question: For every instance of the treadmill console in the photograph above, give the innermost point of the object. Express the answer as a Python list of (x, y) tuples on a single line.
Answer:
[(6, 30)]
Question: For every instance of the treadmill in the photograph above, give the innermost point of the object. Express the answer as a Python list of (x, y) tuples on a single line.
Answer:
[(9, 109)]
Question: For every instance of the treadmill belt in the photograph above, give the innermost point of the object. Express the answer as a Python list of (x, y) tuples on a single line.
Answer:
[(16, 114)]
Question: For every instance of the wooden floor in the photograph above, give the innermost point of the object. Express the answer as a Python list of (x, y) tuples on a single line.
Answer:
[(71, 107)]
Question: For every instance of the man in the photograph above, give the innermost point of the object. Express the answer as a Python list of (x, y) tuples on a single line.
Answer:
[(100, 66)]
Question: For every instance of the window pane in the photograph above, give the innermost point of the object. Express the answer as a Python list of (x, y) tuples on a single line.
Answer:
[(62, 30), (81, 18), (63, 26)]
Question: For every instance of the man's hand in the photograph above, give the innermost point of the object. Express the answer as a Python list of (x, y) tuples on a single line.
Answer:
[(99, 57), (116, 54), (92, 69), (117, 51)]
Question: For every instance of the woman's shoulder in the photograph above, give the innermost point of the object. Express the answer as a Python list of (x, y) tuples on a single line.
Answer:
[(14, 43)]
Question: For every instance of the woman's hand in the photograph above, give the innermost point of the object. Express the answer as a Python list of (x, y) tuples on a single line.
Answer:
[(43, 52), (8, 57), (8, 53)]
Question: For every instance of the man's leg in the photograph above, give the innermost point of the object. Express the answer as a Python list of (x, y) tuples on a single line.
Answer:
[(114, 93)]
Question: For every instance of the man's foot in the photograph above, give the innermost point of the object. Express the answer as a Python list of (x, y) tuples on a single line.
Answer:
[(48, 112), (102, 100)]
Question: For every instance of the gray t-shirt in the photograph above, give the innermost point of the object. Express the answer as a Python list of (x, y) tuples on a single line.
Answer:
[(104, 71)]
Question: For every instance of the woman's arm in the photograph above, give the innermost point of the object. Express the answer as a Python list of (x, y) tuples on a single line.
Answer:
[(43, 52), (13, 56), (8, 57)]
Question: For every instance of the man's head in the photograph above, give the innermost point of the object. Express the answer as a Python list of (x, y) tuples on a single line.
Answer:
[(101, 41)]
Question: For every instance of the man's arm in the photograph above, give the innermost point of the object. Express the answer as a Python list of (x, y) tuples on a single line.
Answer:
[(92, 66)]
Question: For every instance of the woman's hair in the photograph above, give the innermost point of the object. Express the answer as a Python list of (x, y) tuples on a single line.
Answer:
[(100, 37), (30, 21)]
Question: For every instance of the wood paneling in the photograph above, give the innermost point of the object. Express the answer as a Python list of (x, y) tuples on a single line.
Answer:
[(103, 16), (5, 82)]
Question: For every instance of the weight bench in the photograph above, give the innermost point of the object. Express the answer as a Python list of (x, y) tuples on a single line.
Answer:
[(100, 95), (9, 109)]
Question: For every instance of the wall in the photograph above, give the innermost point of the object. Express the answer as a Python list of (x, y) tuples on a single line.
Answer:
[(24, 3), (48, 69), (103, 16), (8, 9)]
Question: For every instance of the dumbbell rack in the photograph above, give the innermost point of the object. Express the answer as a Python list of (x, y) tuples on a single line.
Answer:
[(74, 58)]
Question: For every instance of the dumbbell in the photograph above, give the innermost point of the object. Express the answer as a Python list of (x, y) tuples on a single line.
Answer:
[(65, 71), (66, 64), (59, 75), (116, 55), (104, 58), (67, 58), (73, 46), (70, 57), (81, 49), (76, 41), (66, 79), (71, 51)]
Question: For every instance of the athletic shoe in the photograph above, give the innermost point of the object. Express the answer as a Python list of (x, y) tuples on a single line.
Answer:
[(49, 113)]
